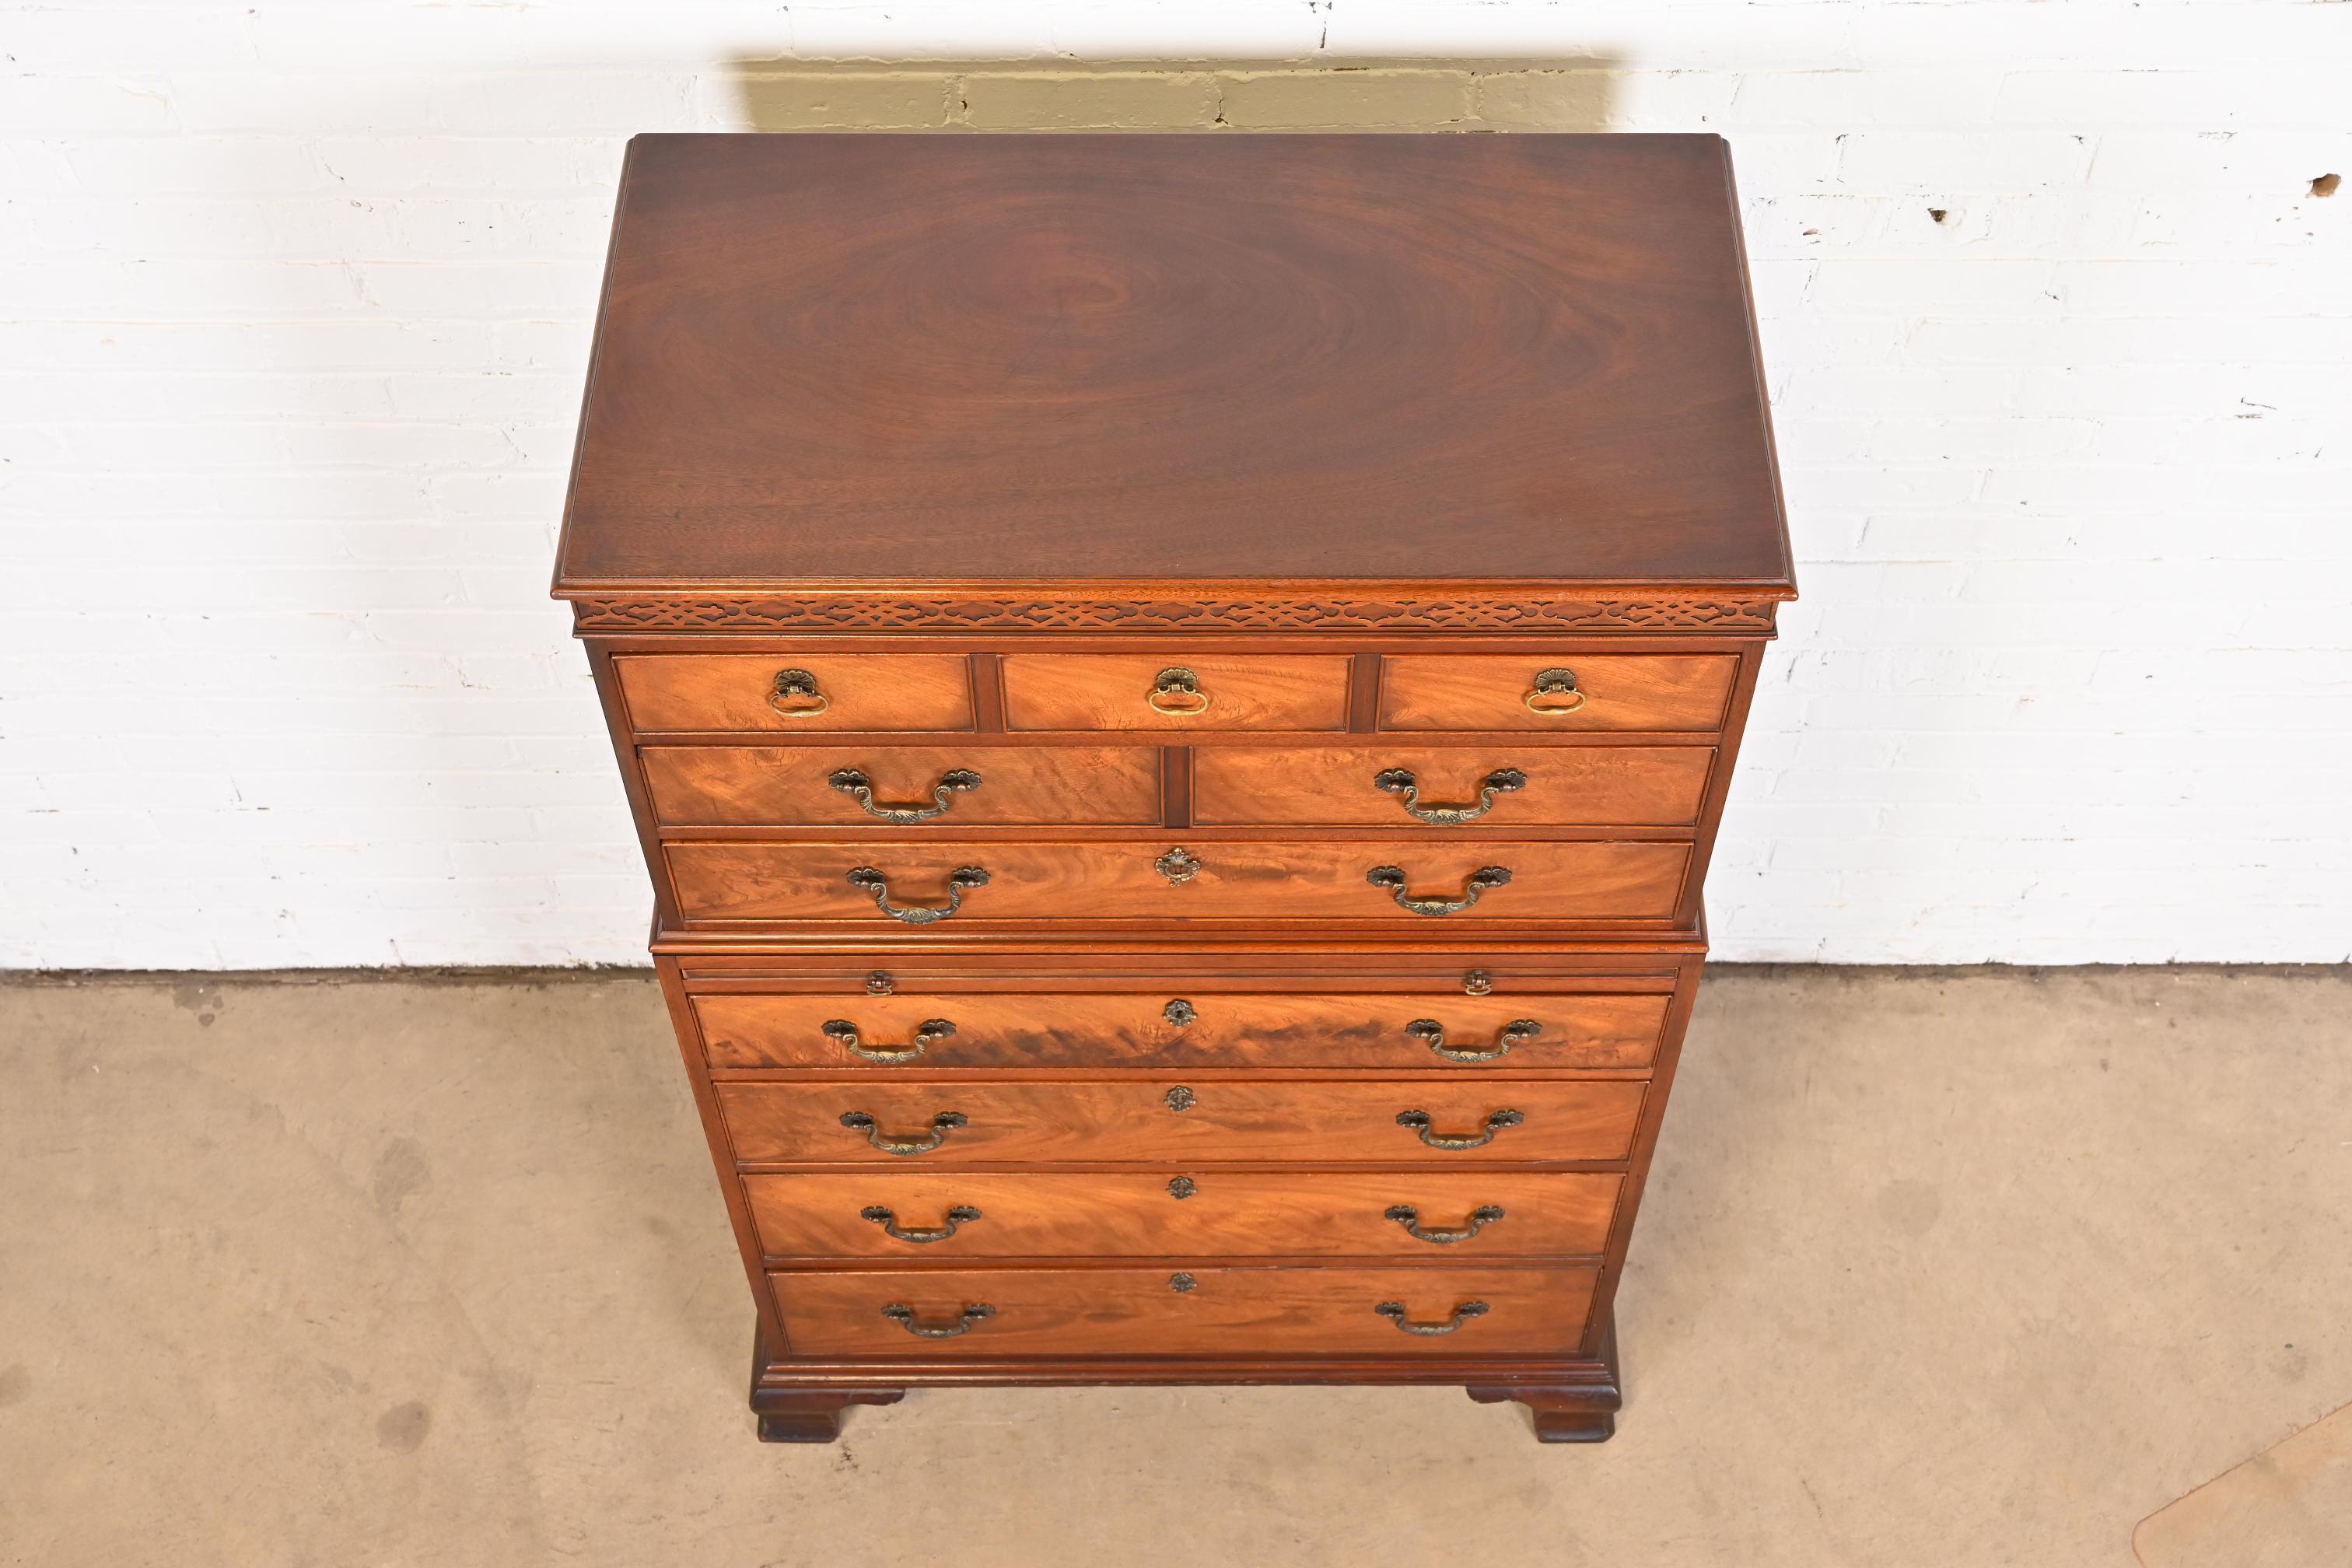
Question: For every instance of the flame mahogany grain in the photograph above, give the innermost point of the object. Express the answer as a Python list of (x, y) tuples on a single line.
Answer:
[(799, 1120), (775, 884), (817, 1216), (788, 786), (1594, 787), (1325, 1310), (1438, 691), (1245, 1030)]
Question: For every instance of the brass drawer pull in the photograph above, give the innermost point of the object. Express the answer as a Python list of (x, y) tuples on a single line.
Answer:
[(1401, 782), (966, 1320), (963, 1213), (1516, 1032), (1392, 879), (928, 1033), (1394, 1313), (1554, 693), (1409, 1216), (799, 688), (945, 1123), (851, 782), (1177, 693), (959, 880), (1419, 1122), (1178, 867)]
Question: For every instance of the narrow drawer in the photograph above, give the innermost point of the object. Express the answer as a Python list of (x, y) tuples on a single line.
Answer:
[(1449, 787), (1563, 695), (1190, 1028), (934, 787), (1413, 1214), (1457, 1120), (1410, 880), (1174, 692), (1245, 1311), (796, 692)]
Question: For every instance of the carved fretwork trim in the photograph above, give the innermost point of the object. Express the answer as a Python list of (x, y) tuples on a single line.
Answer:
[(838, 613)]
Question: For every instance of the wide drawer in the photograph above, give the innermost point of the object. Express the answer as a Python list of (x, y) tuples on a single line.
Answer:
[(934, 1214), (1563, 694), (1449, 787), (1250, 1310), (1459, 1119), (1013, 1029), (796, 692), (936, 787), (919, 883), (1174, 691)]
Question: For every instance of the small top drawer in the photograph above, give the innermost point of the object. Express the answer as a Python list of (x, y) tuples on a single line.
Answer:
[(1174, 692), (1564, 693), (796, 691)]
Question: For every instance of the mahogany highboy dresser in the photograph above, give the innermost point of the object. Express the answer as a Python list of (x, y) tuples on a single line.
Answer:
[(1177, 692)]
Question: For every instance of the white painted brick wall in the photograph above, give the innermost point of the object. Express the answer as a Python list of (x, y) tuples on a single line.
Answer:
[(294, 299)]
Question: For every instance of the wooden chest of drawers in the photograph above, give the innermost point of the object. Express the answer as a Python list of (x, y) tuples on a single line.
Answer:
[(1176, 692)]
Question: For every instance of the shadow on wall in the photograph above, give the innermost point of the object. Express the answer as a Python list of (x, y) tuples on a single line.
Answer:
[(1566, 94)]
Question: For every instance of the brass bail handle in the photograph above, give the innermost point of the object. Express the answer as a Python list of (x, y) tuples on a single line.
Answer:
[(961, 1214), (1420, 1124), (900, 1313), (945, 1123), (1391, 879), (795, 695), (1177, 693), (1395, 1314), (1409, 1216), (1554, 693), (961, 880), (853, 782), (1401, 783), (1432, 1034), (928, 1033)]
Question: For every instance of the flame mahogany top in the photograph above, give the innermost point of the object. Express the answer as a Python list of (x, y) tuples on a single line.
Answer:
[(856, 362)]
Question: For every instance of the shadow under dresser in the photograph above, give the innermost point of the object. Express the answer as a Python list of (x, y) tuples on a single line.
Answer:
[(1176, 692)]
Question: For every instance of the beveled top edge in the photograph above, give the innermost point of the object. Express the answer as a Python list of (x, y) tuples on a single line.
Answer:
[(1782, 588)]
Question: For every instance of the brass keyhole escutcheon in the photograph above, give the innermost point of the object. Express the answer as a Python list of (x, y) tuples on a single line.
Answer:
[(1180, 1012), (1180, 1283), (1181, 1099), (1181, 1187)]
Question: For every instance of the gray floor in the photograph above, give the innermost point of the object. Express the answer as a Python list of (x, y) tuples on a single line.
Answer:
[(1977, 1268)]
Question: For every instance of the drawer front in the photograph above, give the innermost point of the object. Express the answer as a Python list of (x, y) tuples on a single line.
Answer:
[(1449, 788), (1618, 691), (1458, 1119), (1235, 1311), (1410, 1215), (668, 691), (1152, 692), (933, 788), (1411, 881), (1002, 1029)]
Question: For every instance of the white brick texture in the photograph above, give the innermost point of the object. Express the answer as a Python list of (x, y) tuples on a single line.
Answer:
[(295, 296)]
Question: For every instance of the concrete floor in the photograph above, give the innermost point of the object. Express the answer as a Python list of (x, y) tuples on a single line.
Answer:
[(1936, 1268)]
